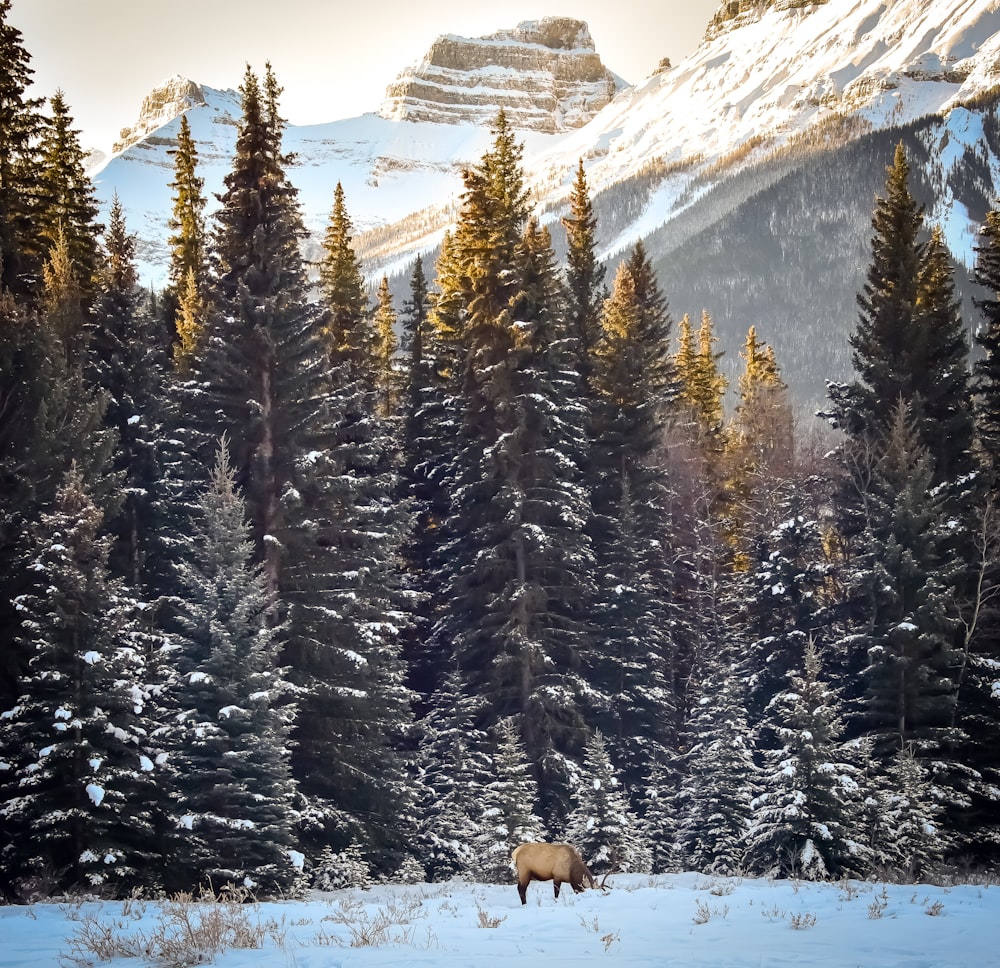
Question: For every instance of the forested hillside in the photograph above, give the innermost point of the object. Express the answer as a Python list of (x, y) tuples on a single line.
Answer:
[(300, 590)]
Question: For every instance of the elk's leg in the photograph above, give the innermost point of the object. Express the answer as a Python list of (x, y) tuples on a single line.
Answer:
[(555, 889), (522, 889)]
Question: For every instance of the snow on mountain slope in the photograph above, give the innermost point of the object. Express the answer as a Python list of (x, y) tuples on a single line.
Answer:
[(770, 72)]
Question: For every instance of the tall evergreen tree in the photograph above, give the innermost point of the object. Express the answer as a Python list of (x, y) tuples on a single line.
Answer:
[(630, 668), (511, 602), (20, 123), (987, 366), (125, 361), (78, 788), (64, 197), (584, 274), (803, 821), (909, 343), (349, 330), (387, 376), (188, 258), (317, 478), (228, 738)]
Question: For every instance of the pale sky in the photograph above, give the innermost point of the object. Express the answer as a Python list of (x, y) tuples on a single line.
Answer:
[(333, 59)]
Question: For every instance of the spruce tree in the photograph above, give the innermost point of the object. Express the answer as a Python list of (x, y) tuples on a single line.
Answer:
[(759, 446), (511, 598), (64, 198), (20, 123), (630, 669), (715, 797), (424, 409), (231, 712), (349, 331), (317, 477), (987, 366), (602, 825), (803, 821), (909, 343), (387, 376), (78, 784), (584, 274), (187, 271), (125, 364)]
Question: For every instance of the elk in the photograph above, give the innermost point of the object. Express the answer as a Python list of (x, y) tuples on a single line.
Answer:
[(559, 863)]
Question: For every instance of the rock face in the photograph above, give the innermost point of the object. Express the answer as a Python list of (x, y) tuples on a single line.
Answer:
[(164, 103), (545, 74)]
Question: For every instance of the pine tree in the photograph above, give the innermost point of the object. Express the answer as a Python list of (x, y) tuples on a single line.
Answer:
[(508, 815), (601, 824), (317, 477), (350, 334), (987, 367), (79, 790), (510, 600), (630, 668), (387, 376), (721, 780), (231, 714), (700, 384), (909, 343), (20, 123), (803, 821), (584, 274), (187, 271), (124, 363), (759, 444), (64, 197)]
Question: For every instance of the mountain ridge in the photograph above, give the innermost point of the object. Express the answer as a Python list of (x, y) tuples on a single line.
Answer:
[(774, 87)]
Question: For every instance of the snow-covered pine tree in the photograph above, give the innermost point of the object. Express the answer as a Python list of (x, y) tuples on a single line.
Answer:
[(507, 816), (511, 598), (630, 664), (601, 825), (454, 770), (78, 786), (782, 601), (803, 820), (231, 714), (127, 364), (659, 815), (906, 836), (721, 781)]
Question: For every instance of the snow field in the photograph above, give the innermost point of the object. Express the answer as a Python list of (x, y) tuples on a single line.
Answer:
[(668, 921)]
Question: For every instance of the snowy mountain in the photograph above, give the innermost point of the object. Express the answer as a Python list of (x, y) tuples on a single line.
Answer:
[(775, 132), (435, 118), (545, 74)]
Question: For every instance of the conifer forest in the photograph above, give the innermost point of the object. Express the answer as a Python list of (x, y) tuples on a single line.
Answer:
[(302, 587)]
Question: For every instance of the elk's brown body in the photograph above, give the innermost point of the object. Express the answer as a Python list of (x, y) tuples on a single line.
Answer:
[(559, 863)]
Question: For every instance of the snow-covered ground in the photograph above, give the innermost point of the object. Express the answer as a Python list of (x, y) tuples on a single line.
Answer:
[(685, 920)]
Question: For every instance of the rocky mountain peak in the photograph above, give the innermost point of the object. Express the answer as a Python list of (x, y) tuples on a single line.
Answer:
[(737, 13), (546, 74), (165, 102)]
